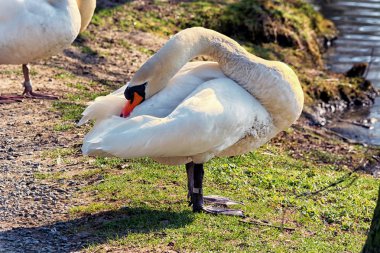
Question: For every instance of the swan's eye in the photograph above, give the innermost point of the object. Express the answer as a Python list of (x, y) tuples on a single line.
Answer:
[(130, 91)]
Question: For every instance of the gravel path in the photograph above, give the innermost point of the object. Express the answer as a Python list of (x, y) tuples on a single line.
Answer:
[(33, 212)]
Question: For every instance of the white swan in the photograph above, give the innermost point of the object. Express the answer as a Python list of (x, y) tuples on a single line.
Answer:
[(35, 29), (194, 111)]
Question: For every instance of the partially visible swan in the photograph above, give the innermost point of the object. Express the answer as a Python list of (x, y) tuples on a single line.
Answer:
[(188, 113), (35, 29)]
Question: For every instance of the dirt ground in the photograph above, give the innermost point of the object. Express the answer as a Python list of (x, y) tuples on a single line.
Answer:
[(33, 211)]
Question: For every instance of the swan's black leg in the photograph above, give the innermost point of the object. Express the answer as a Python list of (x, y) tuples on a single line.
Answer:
[(197, 195), (195, 174)]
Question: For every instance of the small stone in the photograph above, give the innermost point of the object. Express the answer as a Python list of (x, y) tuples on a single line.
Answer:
[(83, 234), (60, 190), (164, 222)]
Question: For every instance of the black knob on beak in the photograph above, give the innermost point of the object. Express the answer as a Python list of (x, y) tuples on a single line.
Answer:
[(130, 90)]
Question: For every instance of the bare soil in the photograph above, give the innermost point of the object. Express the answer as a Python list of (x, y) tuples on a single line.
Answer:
[(34, 211)]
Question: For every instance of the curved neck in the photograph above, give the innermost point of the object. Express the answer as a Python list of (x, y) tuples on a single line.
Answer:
[(180, 49), (272, 83), (86, 9)]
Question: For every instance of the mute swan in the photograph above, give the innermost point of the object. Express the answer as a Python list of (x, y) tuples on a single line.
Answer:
[(35, 29), (188, 113)]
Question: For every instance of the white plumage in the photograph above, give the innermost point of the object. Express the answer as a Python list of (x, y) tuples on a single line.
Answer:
[(195, 111), (35, 29), (203, 118)]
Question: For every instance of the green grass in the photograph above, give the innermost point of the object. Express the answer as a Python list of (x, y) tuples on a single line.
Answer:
[(289, 31), (88, 50), (49, 176), (269, 182), (64, 75), (59, 152), (73, 104), (62, 127), (140, 205), (70, 111), (60, 156)]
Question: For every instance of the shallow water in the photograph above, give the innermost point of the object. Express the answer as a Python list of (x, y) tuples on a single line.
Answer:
[(359, 41)]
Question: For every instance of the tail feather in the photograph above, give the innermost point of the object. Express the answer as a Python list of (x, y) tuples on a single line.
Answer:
[(104, 107)]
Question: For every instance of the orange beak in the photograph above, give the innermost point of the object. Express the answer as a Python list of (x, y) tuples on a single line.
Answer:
[(129, 106)]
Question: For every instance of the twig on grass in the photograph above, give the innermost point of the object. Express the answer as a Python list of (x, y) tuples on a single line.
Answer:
[(339, 181), (268, 224)]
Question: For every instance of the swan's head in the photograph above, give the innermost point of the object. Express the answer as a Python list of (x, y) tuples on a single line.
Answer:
[(135, 95), (147, 81)]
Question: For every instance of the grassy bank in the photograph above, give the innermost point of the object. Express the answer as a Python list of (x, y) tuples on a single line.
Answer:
[(284, 183), (274, 186), (289, 31)]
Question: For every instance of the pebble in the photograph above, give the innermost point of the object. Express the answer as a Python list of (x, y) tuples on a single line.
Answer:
[(34, 216), (32, 212)]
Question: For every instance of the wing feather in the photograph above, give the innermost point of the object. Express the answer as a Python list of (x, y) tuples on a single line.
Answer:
[(214, 116)]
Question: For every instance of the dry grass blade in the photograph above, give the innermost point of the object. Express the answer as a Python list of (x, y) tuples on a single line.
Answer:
[(268, 224)]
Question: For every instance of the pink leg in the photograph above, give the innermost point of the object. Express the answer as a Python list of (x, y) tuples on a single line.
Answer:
[(28, 90), (9, 99)]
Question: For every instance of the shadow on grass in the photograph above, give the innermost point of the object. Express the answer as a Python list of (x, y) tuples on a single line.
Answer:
[(109, 4), (73, 235)]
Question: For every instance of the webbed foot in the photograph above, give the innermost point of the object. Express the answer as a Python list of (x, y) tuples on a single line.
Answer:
[(222, 211), (29, 93), (217, 204), (10, 99)]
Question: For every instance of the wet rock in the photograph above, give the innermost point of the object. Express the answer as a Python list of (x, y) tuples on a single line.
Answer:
[(315, 115), (366, 85), (357, 70)]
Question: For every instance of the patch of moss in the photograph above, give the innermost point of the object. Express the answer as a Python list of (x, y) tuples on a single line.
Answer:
[(289, 31)]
